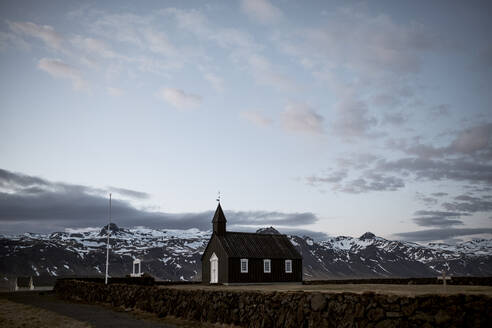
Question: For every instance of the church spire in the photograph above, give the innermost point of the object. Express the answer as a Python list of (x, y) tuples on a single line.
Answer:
[(219, 221)]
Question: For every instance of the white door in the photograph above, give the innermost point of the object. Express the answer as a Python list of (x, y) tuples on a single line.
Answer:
[(214, 269)]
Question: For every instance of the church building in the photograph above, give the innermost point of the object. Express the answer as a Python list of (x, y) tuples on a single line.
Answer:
[(241, 257)]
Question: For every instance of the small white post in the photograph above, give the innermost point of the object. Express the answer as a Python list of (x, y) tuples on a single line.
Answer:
[(107, 245), (444, 278)]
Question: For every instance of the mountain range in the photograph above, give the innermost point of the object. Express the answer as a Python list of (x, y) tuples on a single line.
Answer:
[(175, 255)]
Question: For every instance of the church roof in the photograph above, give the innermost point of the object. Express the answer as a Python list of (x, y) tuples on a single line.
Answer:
[(219, 215), (255, 245)]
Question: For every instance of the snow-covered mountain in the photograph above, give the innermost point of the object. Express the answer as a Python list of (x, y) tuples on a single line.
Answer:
[(175, 255)]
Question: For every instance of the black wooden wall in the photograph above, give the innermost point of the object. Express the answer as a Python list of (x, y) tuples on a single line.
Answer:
[(255, 271)]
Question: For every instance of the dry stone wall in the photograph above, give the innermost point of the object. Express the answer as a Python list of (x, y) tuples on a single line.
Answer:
[(289, 309)]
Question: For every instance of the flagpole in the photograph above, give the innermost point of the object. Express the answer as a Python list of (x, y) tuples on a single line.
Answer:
[(107, 244)]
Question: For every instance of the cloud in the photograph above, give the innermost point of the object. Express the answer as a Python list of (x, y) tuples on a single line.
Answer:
[(473, 141), (257, 118), (258, 218), (371, 182), (94, 46), (437, 170), (261, 11), (353, 119), (378, 45), (44, 32), (180, 99), (59, 69), (301, 118), (469, 204), (438, 218), (442, 234), (368, 182), (216, 81), (331, 178), (158, 42), (266, 74), (196, 23), (242, 46), (29, 203), (130, 193), (427, 200)]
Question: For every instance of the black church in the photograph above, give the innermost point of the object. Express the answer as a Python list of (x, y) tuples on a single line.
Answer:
[(240, 257)]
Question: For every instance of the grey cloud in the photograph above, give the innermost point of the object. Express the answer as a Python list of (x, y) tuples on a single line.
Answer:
[(372, 182), (438, 218), (458, 170), (33, 204), (436, 221), (439, 194), (333, 177), (439, 213), (441, 234), (470, 204), (425, 199), (274, 218), (129, 193), (474, 141)]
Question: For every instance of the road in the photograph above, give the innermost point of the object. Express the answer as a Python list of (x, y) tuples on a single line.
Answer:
[(94, 315)]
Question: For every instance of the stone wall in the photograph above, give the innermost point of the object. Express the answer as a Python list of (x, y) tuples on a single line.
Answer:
[(289, 309)]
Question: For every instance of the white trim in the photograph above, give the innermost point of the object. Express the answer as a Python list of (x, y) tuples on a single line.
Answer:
[(267, 266), (245, 269), (138, 272), (288, 266)]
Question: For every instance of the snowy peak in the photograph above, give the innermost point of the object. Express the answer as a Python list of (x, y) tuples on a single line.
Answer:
[(113, 229), (268, 231), (367, 235)]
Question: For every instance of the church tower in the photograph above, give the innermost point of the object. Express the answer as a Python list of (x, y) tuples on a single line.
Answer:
[(219, 222)]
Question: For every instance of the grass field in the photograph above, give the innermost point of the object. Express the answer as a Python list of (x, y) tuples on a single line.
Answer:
[(407, 290), (15, 315)]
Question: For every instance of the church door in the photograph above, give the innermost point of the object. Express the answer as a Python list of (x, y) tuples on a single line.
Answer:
[(214, 269)]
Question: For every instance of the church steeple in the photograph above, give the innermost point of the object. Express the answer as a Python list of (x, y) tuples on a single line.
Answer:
[(219, 221)]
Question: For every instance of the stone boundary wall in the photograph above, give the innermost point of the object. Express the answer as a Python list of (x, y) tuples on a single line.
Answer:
[(288, 309), (477, 281)]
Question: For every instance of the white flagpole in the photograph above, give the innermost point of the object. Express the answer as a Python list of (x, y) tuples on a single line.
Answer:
[(107, 245)]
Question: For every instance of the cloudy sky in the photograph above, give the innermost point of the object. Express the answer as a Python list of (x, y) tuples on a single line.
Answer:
[(331, 116)]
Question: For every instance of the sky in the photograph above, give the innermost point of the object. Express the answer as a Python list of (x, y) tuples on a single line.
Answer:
[(320, 117)]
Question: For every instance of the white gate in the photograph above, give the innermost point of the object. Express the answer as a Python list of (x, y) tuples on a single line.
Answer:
[(214, 269)]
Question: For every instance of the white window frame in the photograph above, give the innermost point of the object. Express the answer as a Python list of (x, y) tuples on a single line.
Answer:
[(265, 266), (246, 262), (288, 268)]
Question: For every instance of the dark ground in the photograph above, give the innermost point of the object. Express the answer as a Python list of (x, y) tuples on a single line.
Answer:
[(95, 315)]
